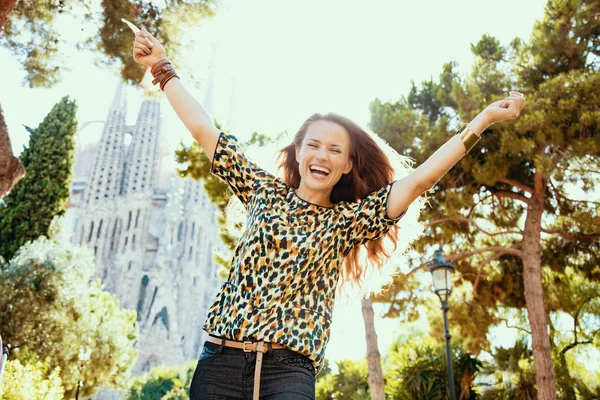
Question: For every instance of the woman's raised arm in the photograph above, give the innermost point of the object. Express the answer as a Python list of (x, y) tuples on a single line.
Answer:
[(406, 190), (187, 108)]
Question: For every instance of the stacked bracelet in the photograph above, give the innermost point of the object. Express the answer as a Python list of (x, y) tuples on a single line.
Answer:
[(163, 71), (469, 138)]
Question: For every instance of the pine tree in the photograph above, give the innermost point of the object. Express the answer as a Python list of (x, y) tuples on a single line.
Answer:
[(504, 212), (43, 192)]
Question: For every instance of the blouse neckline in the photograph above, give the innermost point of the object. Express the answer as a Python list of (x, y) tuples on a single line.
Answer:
[(308, 203)]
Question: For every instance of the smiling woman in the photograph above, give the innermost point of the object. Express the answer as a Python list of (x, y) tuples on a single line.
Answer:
[(270, 323)]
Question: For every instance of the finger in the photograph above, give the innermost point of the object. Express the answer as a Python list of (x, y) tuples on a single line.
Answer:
[(137, 53), (514, 93), (142, 46), (513, 109), (151, 39), (144, 42)]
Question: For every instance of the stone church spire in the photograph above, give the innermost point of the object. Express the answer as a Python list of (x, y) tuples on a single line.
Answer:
[(105, 180)]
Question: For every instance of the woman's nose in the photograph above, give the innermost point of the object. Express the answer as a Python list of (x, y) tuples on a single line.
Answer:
[(322, 155)]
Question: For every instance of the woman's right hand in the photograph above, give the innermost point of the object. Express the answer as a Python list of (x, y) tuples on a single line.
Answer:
[(143, 53)]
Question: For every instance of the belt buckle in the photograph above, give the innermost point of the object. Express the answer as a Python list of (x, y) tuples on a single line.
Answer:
[(247, 343)]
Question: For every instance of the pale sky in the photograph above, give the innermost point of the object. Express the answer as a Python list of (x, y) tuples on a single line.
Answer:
[(276, 62)]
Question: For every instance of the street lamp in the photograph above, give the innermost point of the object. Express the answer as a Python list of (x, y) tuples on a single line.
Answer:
[(441, 271)]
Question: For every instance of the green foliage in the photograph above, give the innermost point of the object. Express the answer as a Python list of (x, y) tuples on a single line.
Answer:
[(350, 382), (50, 311), (481, 202), (163, 383), (30, 381), (45, 189), (32, 34), (166, 20), (413, 369), (513, 372), (416, 369), (565, 39)]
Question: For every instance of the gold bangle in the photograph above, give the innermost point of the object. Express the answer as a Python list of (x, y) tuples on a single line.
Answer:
[(469, 139)]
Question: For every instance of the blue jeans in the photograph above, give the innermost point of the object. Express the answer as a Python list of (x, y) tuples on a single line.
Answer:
[(227, 373)]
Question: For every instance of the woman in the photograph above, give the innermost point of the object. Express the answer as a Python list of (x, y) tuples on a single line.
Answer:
[(269, 325)]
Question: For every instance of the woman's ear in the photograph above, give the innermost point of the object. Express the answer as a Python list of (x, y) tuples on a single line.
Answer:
[(348, 167), (297, 152)]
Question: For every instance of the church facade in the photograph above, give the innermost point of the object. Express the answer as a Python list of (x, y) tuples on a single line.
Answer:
[(153, 243)]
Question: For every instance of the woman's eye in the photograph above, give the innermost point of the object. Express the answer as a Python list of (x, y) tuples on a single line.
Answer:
[(336, 151), (312, 145)]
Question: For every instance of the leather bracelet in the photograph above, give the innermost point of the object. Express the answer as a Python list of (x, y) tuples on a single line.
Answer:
[(166, 79), (163, 71), (468, 138), (155, 70)]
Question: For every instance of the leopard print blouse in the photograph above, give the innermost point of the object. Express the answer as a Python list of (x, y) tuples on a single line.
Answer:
[(285, 269)]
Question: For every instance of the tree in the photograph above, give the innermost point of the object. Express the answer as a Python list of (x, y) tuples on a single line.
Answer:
[(350, 382), (45, 190), (29, 30), (49, 310), (163, 383), (31, 381), (376, 382), (505, 206), (416, 369)]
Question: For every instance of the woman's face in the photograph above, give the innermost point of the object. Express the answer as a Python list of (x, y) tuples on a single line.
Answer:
[(324, 155)]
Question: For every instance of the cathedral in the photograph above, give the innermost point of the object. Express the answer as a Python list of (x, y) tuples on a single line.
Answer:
[(153, 240)]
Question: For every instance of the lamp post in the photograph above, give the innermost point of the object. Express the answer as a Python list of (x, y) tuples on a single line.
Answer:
[(441, 271)]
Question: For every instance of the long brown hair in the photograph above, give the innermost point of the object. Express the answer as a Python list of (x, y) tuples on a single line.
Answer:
[(371, 170)]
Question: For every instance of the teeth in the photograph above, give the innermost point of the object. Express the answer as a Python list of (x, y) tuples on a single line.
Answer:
[(314, 167)]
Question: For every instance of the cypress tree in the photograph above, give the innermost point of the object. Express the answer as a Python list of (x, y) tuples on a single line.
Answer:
[(43, 192)]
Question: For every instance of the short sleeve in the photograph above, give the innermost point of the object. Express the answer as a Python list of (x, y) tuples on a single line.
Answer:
[(369, 219), (231, 164)]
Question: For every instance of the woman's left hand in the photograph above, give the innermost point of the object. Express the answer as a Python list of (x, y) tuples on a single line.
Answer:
[(509, 108)]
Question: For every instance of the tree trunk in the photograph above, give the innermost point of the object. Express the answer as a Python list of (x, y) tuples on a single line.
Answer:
[(11, 169), (6, 7), (376, 383), (534, 295)]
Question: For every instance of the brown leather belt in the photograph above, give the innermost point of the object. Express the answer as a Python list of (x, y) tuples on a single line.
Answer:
[(250, 347)]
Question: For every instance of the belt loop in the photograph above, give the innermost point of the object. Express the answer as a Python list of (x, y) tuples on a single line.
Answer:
[(270, 347), (221, 346)]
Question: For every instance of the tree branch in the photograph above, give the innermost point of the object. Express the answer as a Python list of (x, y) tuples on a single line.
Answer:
[(483, 264), (514, 249), (478, 203), (562, 196), (516, 184), (514, 223), (464, 219), (516, 327), (574, 344), (514, 196), (569, 236), (508, 250)]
